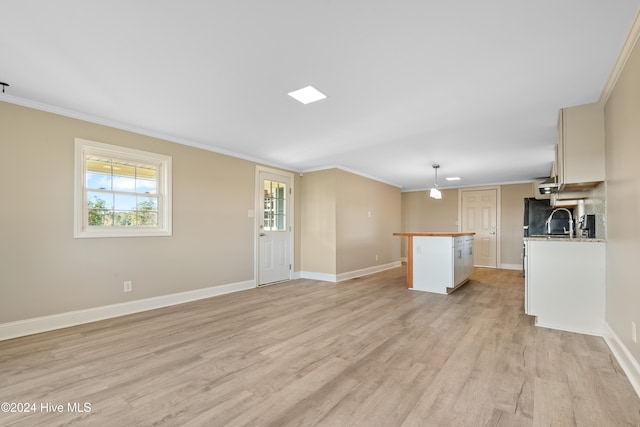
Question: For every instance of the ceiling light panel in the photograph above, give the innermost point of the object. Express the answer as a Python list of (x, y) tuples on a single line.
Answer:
[(307, 95), (453, 178)]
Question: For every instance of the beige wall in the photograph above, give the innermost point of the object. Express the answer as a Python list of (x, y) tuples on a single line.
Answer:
[(622, 127), (421, 213), (44, 270), (511, 231), (338, 235), (368, 213), (318, 222)]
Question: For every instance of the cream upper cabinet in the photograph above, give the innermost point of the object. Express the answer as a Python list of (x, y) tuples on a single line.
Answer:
[(580, 150)]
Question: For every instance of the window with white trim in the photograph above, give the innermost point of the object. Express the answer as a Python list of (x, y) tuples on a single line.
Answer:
[(121, 192)]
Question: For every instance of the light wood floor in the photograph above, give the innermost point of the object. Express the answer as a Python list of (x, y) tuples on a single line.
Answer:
[(364, 352)]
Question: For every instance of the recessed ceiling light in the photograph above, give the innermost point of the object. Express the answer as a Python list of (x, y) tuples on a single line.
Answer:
[(453, 178), (307, 95)]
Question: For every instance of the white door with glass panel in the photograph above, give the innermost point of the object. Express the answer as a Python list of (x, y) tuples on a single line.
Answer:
[(274, 228)]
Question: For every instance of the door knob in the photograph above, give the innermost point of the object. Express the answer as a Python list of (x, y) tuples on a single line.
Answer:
[(262, 234)]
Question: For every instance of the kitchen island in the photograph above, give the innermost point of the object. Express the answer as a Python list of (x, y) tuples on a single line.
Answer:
[(438, 262)]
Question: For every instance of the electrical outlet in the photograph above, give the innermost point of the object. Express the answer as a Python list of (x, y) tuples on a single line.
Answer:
[(634, 332), (128, 286), (376, 257)]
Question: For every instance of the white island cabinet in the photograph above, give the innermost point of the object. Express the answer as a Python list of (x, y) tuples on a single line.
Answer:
[(565, 284), (438, 262)]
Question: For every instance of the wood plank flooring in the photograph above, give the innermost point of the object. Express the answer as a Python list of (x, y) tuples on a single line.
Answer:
[(364, 352)]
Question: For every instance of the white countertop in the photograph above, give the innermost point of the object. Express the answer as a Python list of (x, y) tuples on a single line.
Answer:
[(434, 233), (563, 239)]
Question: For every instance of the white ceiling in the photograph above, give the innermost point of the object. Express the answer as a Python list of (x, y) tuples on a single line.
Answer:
[(473, 85)]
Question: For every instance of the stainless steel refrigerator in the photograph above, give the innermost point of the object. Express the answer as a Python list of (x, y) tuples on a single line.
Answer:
[(536, 213)]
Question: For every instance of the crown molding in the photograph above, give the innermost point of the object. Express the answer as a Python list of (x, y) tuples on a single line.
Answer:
[(625, 52), (166, 137), (47, 108), (349, 170)]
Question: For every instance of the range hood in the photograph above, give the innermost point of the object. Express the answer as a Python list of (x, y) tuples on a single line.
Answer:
[(549, 186)]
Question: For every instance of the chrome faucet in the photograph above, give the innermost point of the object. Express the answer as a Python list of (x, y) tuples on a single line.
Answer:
[(548, 221)]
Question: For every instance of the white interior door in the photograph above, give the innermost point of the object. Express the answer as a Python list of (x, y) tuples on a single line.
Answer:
[(479, 214), (274, 228)]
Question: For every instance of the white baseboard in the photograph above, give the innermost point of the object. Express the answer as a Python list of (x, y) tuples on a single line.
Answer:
[(629, 364), (37, 325), (511, 266), (366, 271), (597, 331), (349, 275), (323, 277)]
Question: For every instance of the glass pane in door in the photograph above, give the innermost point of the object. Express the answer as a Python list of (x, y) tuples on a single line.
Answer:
[(275, 206)]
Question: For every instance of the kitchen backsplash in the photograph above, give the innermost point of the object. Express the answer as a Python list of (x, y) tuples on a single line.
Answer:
[(596, 204)]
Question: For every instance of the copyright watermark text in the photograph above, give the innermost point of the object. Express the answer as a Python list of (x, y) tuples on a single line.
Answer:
[(45, 407)]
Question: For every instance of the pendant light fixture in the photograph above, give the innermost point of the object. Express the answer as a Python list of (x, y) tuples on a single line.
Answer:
[(435, 193)]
